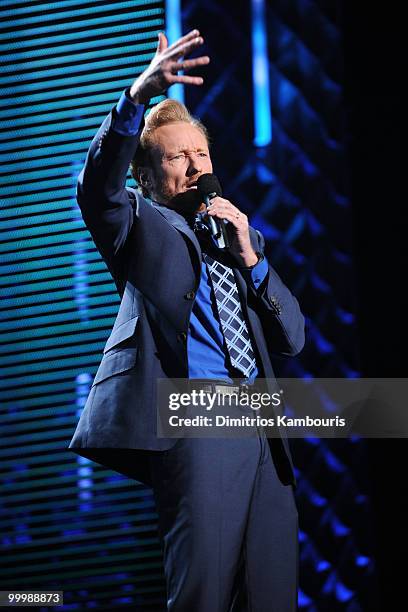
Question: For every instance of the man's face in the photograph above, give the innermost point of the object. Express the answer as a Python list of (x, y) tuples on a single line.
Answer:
[(180, 156)]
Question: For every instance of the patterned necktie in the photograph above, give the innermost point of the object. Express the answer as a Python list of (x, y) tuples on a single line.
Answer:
[(232, 320)]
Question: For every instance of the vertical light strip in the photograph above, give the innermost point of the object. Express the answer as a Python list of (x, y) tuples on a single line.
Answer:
[(260, 76), (173, 32)]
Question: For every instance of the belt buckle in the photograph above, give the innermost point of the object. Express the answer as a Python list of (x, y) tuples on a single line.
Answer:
[(243, 388), (225, 389)]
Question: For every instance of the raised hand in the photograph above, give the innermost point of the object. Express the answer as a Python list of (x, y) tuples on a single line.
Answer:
[(165, 65)]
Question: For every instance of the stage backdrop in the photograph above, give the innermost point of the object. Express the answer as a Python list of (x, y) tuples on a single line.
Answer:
[(67, 523)]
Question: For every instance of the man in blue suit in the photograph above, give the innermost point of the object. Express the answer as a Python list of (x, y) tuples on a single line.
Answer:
[(227, 515)]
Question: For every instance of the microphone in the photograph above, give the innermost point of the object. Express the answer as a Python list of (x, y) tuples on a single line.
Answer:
[(208, 187)]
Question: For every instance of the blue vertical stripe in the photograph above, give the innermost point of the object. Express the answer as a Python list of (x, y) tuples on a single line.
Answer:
[(173, 32), (260, 76)]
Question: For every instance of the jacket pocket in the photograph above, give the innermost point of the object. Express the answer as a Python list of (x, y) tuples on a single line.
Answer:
[(119, 361), (121, 333)]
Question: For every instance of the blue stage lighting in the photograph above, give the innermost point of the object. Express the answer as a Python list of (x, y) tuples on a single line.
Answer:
[(260, 76)]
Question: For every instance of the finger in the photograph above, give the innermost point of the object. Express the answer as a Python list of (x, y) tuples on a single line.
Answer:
[(221, 201), (174, 67), (219, 204), (235, 217), (187, 80), (189, 64), (185, 49), (162, 43), (235, 214), (185, 38)]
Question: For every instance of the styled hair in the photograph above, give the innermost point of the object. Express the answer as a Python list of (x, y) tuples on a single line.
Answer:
[(167, 111)]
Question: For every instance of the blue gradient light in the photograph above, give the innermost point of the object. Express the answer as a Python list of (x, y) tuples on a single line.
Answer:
[(322, 566), (362, 561), (260, 76), (173, 32), (343, 593)]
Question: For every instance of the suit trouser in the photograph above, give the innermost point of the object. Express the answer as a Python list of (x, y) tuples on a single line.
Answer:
[(228, 527)]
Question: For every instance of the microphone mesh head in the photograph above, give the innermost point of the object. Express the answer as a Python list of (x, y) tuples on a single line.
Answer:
[(208, 183)]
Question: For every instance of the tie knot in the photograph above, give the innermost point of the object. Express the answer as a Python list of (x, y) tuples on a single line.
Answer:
[(199, 226)]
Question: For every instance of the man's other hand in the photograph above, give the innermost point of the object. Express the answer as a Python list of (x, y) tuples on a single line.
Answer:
[(238, 230), (165, 65)]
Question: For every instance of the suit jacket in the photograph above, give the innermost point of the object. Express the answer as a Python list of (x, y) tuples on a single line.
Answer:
[(155, 260)]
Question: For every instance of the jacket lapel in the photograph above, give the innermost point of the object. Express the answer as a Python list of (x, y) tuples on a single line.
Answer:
[(178, 221)]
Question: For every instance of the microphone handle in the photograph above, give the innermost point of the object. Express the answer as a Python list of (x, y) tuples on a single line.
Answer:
[(218, 229)]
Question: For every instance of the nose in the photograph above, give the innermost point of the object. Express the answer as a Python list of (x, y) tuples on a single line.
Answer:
[(194, 166)]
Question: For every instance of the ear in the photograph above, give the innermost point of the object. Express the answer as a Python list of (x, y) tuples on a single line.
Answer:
[(144, 177)]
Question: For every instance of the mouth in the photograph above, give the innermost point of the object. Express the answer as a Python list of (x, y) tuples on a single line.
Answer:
[(192, 186)]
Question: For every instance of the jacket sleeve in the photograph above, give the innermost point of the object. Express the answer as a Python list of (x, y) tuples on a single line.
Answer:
[(107, 206), (279, 311)]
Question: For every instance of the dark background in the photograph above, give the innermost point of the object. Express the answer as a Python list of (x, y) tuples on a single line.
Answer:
[(374, 73)]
